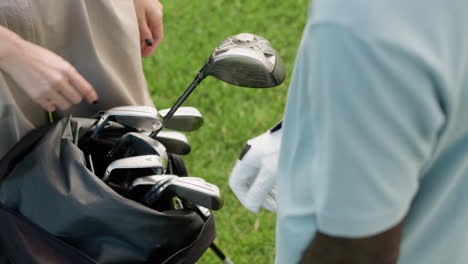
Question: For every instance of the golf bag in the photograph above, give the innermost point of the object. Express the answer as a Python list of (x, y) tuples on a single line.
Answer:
[(54, 210)]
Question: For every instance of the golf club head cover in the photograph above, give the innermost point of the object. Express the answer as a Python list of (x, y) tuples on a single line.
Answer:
[(253, 177)]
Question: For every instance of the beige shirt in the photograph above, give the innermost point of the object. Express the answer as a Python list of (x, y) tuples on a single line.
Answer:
[(99, 37)]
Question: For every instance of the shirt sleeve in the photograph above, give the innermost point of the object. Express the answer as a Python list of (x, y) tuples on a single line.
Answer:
[(375, 118)]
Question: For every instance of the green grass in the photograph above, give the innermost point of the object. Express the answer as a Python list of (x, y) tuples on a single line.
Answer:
[(232, 114)]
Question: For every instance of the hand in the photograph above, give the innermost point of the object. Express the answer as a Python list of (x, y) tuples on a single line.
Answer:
[(253, 177), (47, 78), (150, 22)]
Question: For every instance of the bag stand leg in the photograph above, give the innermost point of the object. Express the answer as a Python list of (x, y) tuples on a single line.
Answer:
[(213, 246)]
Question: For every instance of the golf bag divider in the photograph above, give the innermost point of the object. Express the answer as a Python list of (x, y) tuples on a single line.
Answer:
[(50, 202)]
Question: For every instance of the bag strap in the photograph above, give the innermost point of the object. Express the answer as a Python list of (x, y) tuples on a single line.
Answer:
[(20, 149)]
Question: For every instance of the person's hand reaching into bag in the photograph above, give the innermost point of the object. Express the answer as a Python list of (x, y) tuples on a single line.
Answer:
[(47, 78)]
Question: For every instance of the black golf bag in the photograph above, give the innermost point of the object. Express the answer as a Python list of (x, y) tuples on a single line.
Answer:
[(53, 209)]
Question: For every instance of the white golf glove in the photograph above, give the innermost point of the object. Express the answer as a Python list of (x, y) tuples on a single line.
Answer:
[(253, 177)]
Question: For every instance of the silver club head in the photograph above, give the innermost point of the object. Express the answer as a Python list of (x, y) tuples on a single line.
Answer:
[(137, 162), (185, 119), (175, 142), (145, 183), (139, 144), (138, 117), (192, 189), (247, 60)]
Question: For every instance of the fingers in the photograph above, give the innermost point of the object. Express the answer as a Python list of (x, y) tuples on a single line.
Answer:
[(154, 23), (157, 30), (69, 92), (258, 192), (59, 100), (241, 179), (46, 104), (146, 38), (68, 89), (54, 99), (48, 79), (81, 86)]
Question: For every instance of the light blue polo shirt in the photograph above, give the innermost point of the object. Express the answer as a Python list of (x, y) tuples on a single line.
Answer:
[(376, 129)]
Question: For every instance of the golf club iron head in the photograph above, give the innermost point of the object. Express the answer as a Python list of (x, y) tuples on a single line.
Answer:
[(137, 117), (185, 119), (175, 142), (152, 162), (192, 189), (141, 185), (246, 60), (134, 143)]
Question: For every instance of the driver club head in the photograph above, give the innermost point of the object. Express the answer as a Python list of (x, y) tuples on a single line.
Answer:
[(137, 117), (152, 162), (246, 60), (185, 119)]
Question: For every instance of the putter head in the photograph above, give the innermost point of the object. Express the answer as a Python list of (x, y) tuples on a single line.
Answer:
[(137, 117), (152, 162), (175, 142), (139, 144), (192, 189), (185, 119), (246, 60)]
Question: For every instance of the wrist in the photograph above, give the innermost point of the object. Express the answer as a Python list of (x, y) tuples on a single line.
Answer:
[(10, 44)]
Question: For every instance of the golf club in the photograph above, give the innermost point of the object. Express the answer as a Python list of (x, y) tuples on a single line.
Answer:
[(175, 142), (137, 117), (245, 60), (141, 185), (192, 189), (152, 162), (185, 119), (150, 180), (138, 144), (89, 163)]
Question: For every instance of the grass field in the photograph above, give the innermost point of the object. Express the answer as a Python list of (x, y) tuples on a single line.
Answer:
[(232, 114)]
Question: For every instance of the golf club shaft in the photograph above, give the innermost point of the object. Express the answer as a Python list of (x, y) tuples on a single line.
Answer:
[(185, 95), (200, 76), (213, 246), (182, 99), (220, 254)]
